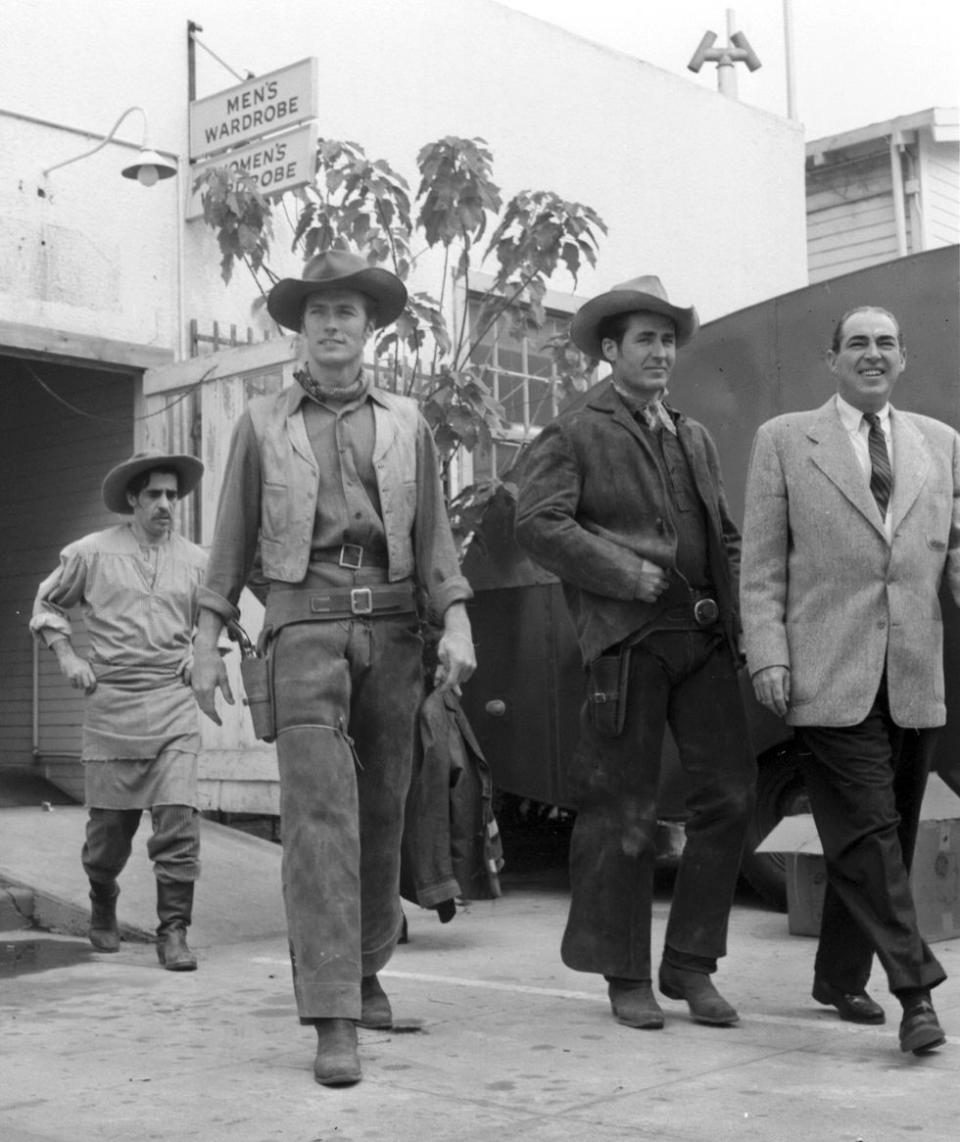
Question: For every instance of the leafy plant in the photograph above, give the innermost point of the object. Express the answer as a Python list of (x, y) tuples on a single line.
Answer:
[(364, 205), (242, 218)]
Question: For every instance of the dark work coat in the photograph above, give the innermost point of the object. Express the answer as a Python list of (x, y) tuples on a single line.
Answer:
[(451, 844), (593, 502)]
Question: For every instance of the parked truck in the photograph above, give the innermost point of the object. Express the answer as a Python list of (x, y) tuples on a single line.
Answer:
[(742, 369)]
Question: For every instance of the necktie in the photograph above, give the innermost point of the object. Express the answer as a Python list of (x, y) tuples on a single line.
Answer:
[(881, 475)]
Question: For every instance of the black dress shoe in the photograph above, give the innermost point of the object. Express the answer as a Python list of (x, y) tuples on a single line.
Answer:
[(920, 1030), (855, 1007)]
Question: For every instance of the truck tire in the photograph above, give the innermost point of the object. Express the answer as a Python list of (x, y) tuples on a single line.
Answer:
[(780, 793)]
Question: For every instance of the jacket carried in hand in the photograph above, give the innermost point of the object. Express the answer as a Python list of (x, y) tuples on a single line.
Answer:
[(593, 503), (451, 844)]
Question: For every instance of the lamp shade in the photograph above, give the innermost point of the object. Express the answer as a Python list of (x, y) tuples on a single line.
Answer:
[(149, 168)]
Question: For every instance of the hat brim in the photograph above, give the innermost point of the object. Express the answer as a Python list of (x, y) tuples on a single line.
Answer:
[(389, 294), (584, 329), (188, 468)]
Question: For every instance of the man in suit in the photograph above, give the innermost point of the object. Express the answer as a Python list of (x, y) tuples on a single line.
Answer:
[(852, 520), (621, 498)]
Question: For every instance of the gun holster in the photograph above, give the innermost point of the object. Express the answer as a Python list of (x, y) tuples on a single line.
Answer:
[(607, 691), (256, 672)]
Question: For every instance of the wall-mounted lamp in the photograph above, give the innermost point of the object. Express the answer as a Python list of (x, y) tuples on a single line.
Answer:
[(149, 167)]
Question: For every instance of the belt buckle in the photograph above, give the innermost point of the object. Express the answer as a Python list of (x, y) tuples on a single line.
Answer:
[(706, 612), (361, 600), (345, 555)]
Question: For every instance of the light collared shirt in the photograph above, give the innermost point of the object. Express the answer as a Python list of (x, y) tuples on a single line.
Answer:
[(653, 412), (301, 516), (858, 430)]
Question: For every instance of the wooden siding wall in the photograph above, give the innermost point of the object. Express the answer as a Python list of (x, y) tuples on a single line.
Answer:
[(237, 773), (173, 425), (52, 461), (850, 216), (940, 183)]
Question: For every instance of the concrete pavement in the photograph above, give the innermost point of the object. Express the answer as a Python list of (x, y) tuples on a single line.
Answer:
[(237, 898), (515, 1046)]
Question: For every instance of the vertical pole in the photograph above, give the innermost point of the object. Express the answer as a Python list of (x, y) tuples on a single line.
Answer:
[(788, 54), (185, 191), (896, 180), (726, 68), (192, 61)]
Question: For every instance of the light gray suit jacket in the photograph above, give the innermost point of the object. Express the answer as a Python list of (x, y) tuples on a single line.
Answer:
[(824, 593)]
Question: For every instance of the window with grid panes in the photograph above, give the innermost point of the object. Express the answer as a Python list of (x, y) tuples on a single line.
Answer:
[(522, 377)]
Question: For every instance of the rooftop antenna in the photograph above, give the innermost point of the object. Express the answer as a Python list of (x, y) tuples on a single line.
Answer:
[(738, 50)]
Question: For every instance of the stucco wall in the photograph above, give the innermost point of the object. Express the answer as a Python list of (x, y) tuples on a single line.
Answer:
[(704, 191)]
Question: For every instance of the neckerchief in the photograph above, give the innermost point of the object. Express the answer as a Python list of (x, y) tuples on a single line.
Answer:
[(335, 394), (653, 414)]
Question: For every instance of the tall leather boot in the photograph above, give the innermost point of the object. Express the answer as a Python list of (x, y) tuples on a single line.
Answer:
[(104, 932), (175, 910)]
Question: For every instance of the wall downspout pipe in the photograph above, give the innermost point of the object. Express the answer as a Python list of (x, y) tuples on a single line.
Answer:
[(899, 209)]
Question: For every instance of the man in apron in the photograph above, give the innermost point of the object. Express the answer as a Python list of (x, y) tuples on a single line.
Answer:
[(136, 583)]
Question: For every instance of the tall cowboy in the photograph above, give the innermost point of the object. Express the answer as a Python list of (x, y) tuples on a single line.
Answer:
[(337, 483), (621, 498), (137, 584)]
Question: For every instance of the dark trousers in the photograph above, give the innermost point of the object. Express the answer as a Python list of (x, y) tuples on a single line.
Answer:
[(687, 680), (174, 845), (347, 697), (866, 786)]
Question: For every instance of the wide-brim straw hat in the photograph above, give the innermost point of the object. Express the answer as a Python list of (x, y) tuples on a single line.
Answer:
[(337, 269), (643, 294), (188, 469)]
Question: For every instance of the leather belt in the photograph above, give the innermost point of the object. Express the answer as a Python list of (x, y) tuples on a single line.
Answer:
[(703, 608), (349, 555), (316, 606)]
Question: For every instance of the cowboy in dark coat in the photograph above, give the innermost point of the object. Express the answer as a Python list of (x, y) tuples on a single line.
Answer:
[(621, 498)]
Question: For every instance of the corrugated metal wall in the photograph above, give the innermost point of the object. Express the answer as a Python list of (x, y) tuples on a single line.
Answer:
[(61, 429)]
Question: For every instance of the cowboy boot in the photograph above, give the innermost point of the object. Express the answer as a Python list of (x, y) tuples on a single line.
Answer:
[(175, 909), (706, 1004), (104, 932), (336, 1062), (375, 1011), (633, 1003)]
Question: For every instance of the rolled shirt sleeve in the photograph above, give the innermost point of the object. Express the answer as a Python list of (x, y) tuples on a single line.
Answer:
[(61, 590)]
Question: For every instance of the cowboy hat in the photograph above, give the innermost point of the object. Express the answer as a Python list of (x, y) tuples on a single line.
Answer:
[(337, 269), (188, 468), (643, 294)]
